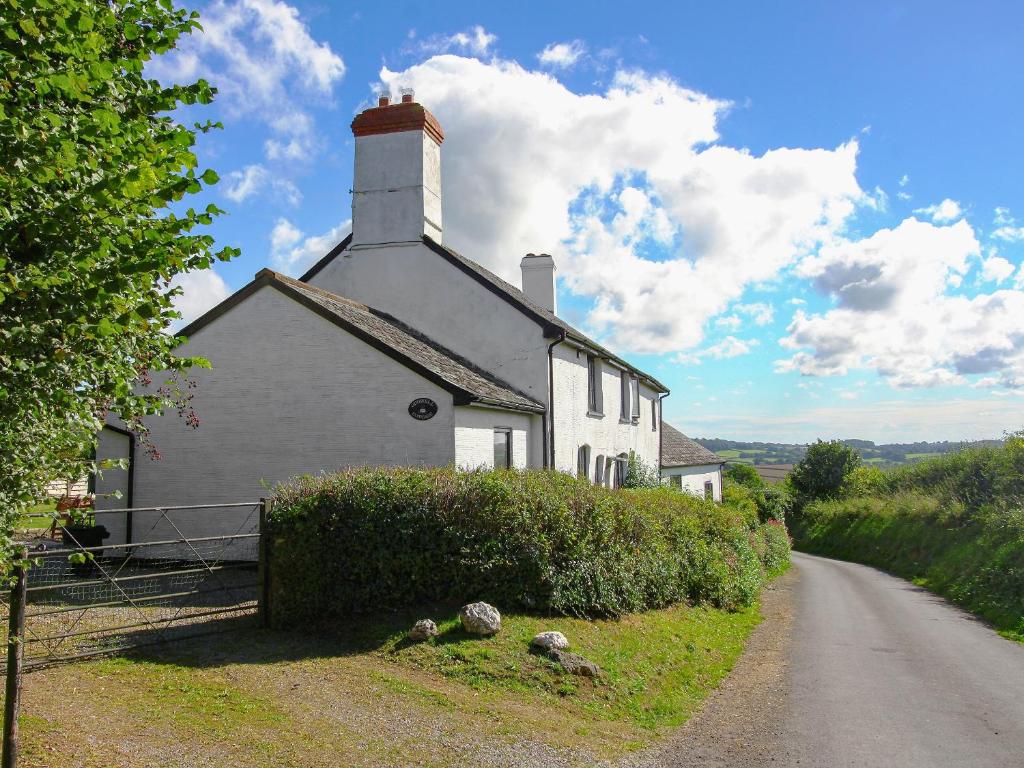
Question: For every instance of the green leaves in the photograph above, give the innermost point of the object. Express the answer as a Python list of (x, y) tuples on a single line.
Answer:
[(92, 160)]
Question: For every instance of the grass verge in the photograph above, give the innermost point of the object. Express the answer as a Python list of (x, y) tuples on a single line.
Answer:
[(365, 696)]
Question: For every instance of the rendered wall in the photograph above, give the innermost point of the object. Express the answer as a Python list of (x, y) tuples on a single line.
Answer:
[(474, 436), (606, 435), (692, 479)]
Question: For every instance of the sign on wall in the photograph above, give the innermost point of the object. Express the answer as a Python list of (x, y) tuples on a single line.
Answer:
[(422, 408)]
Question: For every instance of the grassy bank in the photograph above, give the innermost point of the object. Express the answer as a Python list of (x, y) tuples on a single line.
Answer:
[(362, 696), (953, 524)]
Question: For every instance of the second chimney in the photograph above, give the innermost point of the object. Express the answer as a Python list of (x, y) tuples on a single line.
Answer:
[(539, 280)]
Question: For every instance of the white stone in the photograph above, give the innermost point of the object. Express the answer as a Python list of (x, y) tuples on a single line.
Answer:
[(550, 641), (480, 619), (423, 629)]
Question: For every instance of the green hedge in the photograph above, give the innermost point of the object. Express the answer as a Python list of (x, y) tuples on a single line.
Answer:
[(954, 524), (367, 539)]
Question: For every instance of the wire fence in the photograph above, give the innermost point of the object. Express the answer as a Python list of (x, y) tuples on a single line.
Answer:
[(168, 572)]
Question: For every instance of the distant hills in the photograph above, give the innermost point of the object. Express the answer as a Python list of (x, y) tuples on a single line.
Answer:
[(884, 455)]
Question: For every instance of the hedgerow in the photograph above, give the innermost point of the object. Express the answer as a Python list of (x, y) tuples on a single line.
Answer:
[(367, 539), (954, 524)]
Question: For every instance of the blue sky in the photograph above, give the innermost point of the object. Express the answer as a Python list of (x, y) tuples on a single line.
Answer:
[(806, 219)]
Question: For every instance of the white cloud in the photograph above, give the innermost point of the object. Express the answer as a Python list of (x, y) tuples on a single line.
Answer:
[(946, 211), (562, 55), (475, 40), (293, 253), (1006, 227), (200, 290), (894, 312), (261, 56), (904, 180), (728, 347), (996, 268), (599, 177), (760, 313), (255, 179), (732, 322)]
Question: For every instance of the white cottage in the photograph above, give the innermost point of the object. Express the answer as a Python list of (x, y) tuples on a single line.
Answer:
[(395, 350), (689, 466)]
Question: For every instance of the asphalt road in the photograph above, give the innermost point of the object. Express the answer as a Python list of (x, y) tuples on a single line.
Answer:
[(857, 668)]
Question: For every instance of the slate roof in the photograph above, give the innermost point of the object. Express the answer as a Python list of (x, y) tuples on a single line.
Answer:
[(468, 383), (554, 326), (677, 450)]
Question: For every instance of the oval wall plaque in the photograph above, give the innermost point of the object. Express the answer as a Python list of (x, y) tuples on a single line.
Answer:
[(422, 408)]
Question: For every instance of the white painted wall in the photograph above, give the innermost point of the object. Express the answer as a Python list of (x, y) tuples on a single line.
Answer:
[(289, 393), (474, 436), (423, 290), (692, 479), (606, 435), (396, 188)]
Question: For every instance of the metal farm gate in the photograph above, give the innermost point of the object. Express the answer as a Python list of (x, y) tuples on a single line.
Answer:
[(163, 573)]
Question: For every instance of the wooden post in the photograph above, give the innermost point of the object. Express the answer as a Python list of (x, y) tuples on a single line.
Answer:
[(264, 566), (15, 652)]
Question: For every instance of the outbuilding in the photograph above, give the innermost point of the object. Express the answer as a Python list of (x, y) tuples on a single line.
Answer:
[(689, 466)]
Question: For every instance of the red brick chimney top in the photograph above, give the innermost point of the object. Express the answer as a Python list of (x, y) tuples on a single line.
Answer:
[(395, 118)]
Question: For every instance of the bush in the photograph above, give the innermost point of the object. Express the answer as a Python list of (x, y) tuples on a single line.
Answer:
[(759, 504), (824, 471), (743, 474), (640, 474), (368, 539)]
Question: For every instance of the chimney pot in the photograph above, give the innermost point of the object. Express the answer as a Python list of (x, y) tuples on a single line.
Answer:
[(407, 98), (384, 100)]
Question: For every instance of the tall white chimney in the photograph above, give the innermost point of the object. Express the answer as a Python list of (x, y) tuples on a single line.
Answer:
[(396, 195), (539, 280)]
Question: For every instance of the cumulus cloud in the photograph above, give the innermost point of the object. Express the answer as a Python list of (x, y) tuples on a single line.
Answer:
[(895, 314), (292, 252), (562, 55), (255, 179), (259, 53), (599, 178), (946, 211), (200, 291), (996, 269)]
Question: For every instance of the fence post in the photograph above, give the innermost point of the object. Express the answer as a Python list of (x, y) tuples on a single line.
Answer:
[(15, 652), (264, 566)]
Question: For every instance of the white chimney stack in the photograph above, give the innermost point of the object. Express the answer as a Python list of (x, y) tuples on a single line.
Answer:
[(396, 195), (539, 280)]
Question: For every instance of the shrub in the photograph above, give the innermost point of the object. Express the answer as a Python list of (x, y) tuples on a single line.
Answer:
[(743, 474), (824, 471), (640, 474), (367, 539)]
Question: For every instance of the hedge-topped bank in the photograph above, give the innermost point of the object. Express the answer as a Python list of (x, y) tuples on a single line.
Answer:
[(542, 541)]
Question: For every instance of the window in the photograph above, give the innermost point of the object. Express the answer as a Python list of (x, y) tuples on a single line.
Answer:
[(624, 389), (502, 448), (583, 462), (676, 481), (654, 414), (621, 467), (636, 400), (593, 384), (599, 470), (709, 490)]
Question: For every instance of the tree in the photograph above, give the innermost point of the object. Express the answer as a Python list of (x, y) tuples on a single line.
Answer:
[(92, 169), (743, 474), (824, 471)]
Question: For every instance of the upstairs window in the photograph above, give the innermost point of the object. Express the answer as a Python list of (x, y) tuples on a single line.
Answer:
[(624, 412), (593, 384), (654, 414), (635, 413), (502, 448), (583, 462)]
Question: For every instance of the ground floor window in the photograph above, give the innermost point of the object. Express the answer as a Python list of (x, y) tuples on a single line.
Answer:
[(502, 448), (621, 468), (599, 470), (709, 490), (583, 462), (676, 481)]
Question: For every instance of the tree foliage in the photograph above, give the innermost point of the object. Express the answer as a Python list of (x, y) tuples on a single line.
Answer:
[(824, 471), (92, 169), (743, 474)]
